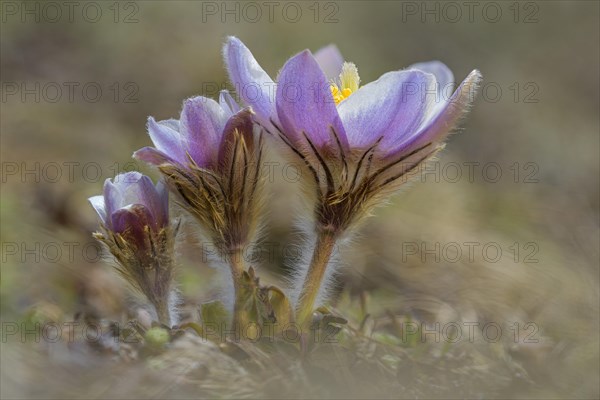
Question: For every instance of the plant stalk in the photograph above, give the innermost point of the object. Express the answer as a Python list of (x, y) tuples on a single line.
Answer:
[(312, 282), (236, 262), (162, 312)]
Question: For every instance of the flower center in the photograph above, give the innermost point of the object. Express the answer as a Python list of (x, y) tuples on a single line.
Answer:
[(348, 84)]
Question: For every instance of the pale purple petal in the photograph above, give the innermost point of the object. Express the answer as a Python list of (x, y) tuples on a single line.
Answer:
[(228, 103), (167, 140), (443, 76), (142, 191), (98, 203), (305, 104), (153, 157), (129, 188), (252, 84), (330, 60), (391, 107), (202, 122), (171, 123), (444, 85), (112, 199), (440, 125)]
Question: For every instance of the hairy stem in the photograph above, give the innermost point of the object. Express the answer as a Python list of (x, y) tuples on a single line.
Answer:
[(312, 282), (162, 312), (236, 262)]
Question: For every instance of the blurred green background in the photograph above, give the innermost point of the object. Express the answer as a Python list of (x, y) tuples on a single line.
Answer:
[(535, 121)]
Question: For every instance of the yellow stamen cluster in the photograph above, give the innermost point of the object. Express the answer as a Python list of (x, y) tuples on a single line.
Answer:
[(349, 82), (338, 95)]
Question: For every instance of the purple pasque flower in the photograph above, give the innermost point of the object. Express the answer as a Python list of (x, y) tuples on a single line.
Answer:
[(211, 159), (131, 202), (357, 141), (134, 215)]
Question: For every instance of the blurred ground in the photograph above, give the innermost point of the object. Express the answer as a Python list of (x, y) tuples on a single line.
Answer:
[(511, 240)]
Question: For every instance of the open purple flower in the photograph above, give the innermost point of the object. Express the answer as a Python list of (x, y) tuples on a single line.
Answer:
[(134, 215), (356, 140)]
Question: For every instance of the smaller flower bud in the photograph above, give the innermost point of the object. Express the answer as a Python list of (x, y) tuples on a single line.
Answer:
[(134, 216), (156, 337)]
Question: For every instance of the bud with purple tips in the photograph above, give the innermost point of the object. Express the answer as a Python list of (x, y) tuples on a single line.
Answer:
[(134, 217)]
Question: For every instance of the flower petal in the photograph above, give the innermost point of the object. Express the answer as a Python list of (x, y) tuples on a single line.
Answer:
[(171, 123), (253, 85), (242, 123), (391, 107), (163, 194), (135, 188), (305, 104), (202, 122), (153, 157), (128, 189), (436, 128), (98, 203), (330, 60), (132, 219), (112, 200), (443, 76), (144, 192), (166, 139), (228, 103)]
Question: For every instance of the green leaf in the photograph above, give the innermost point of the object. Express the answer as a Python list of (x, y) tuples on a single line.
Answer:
[(215, 318), (282, 309)]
